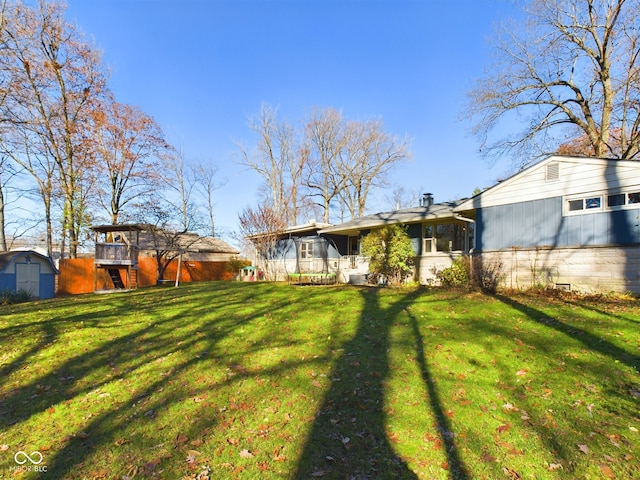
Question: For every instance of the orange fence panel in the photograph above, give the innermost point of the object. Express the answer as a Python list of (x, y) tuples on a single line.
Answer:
[(77, 274)]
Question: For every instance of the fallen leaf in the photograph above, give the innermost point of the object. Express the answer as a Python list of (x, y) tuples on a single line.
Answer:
[(244, 453), (503, 428), (583, 448), (149, 467), (554, 466), (180, 439), (4, 448), (607, 472), (99, 474), (521, 373), (512, 473), (488, 458)]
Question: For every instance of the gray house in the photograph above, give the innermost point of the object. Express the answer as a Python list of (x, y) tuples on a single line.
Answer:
[(568, 222), (30, 271), (438, 235), (565, 222), (301, 250)]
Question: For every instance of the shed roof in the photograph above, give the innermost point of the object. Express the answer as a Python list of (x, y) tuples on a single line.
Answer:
[(7, 257)]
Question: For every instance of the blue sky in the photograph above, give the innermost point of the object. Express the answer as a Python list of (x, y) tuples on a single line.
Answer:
[(201, 67)]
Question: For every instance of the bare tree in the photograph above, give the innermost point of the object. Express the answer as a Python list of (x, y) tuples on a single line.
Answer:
[(369, 154), (27, 152), (325, 140), (573, 64), (208, 182), (276, 159), (127, 145), (180, 179), (161, 234), (264, 228), (400, 197)]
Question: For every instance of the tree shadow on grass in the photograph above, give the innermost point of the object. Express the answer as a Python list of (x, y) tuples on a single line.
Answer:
[(588, 339), (457, 468), (348, 438), (121, 357)]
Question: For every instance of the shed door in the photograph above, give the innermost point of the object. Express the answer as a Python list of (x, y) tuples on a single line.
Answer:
[(28, 278)]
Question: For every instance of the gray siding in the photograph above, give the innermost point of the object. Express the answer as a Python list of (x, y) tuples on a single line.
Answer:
[(539, 223)]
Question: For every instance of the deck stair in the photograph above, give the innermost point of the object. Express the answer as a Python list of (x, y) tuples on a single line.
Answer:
[(114, 273)]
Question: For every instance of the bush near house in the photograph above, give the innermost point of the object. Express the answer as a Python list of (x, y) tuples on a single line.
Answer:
[(9, 297), (471, 272), (390, 254)]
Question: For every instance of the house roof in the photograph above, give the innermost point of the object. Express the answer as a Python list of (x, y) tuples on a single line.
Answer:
[(310, 226), (406, 215), (188, 242), (123, 227), (511, 186), (7, 257), (211, 245)]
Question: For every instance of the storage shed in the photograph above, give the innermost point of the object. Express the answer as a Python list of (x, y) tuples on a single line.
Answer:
[(28, 270)]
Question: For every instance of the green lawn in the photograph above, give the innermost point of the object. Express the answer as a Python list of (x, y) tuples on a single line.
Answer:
[(259, 380)]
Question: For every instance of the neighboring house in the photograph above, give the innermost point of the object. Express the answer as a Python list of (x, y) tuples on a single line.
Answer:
[(568, 222), (28, 270), (301, 250), (193, 246), (437, 233), (124, 257)]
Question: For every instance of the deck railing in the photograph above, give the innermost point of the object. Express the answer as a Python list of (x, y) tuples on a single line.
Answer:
[(116, 254)]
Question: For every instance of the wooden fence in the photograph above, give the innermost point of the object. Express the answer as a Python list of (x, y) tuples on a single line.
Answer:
[(77, 274)]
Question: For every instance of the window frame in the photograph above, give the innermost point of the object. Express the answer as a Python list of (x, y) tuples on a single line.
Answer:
[(430, 238), (306, 248), (602, 201)]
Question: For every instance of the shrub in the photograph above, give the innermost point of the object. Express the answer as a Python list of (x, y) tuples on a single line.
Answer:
[(390, 254), (471, 272), (234, 264), (457, 275), (9, 297), (486, 275)]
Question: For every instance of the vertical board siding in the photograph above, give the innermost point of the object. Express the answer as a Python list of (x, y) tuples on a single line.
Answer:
[(540, 223)]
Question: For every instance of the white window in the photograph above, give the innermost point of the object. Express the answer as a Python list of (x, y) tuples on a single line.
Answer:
[(306, 250), (576, 205), (605, 201), (445, 237)]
